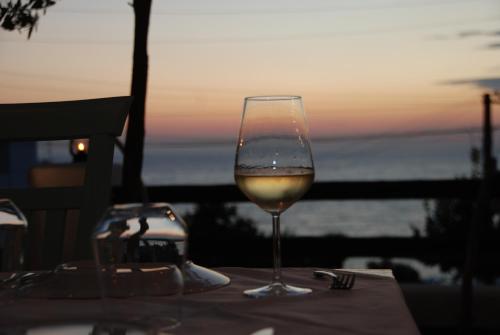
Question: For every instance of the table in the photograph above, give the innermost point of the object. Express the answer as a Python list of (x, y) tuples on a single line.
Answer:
[(374, 306)]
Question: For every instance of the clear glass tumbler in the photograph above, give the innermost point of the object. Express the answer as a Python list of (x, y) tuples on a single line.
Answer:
[(140, 251)]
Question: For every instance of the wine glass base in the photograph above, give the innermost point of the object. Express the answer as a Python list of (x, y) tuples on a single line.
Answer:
[(200, 279), (276, 290)]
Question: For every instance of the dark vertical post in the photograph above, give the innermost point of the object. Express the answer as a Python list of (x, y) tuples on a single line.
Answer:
[(488, 163), (134, 145), (481, 218)]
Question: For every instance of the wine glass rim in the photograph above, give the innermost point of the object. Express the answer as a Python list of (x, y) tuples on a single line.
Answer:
[(273, 97)]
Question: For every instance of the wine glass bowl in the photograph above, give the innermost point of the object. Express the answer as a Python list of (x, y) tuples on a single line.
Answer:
[(274, 167), (275, 190)]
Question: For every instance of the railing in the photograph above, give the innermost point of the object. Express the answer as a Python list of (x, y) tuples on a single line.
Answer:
[(345, 190), (330, 251)]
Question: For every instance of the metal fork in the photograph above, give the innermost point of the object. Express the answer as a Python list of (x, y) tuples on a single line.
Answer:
[(340, 281)]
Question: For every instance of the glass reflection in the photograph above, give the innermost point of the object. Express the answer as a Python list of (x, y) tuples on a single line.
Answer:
[(13, 227), (140, 250)]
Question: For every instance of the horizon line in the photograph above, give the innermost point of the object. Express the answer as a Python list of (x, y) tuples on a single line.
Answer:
[(340, 138)]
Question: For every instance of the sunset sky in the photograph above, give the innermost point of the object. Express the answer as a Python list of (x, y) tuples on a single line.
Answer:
[(362, 67)]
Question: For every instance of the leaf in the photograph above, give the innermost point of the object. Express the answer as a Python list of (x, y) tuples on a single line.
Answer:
[(22, 15)]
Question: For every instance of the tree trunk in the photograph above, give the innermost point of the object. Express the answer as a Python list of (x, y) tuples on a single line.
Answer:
[(134, 145)]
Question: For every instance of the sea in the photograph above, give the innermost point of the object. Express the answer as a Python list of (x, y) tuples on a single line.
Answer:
[(342, 159)]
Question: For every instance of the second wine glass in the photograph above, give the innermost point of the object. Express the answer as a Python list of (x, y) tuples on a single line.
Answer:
[(274, 168)]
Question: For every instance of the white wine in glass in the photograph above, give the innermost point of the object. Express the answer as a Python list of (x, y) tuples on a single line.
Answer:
[(274, 168)]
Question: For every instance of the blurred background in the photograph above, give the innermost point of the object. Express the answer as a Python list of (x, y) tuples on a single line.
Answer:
[(392, 90)]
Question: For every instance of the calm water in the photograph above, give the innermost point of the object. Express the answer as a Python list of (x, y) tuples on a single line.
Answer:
[(346, 160), (386, 159)]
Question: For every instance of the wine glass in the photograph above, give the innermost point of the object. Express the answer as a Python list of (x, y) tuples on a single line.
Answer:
[(274, 168), (13, 227)]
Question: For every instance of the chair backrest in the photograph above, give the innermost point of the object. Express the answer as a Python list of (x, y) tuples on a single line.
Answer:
[(99, 120)]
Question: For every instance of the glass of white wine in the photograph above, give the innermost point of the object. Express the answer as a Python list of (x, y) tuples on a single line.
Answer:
[(274, 168)]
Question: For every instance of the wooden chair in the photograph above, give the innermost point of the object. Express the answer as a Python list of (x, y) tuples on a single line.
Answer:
[(99, 120)]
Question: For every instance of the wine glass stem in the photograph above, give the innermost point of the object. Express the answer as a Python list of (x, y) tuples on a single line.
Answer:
[(276, 249)]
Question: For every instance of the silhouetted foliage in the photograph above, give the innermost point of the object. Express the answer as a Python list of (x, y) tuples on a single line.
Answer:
[(22, 15), (216, 220), (452, 218), (221, 220), (449, 218)]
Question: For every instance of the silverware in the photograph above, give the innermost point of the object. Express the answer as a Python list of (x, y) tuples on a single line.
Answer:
[(339, 280), (24, 279), (20, 281)]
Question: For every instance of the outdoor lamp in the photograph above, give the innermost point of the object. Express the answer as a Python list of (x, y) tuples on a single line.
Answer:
[(79, 149)]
